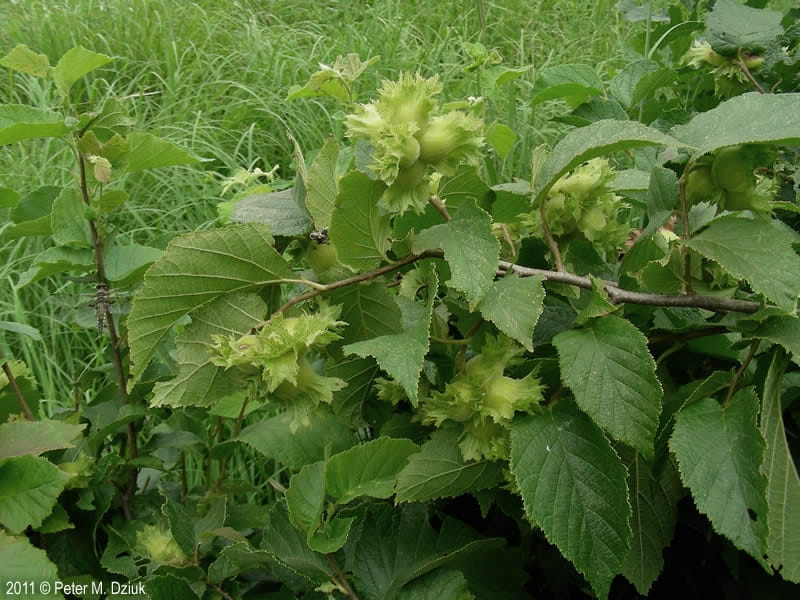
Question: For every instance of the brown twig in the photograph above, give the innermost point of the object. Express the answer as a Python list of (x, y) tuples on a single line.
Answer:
[(340, 577), (437, 203), (739, 62), (740, 372), (12, 381), (687, 258)]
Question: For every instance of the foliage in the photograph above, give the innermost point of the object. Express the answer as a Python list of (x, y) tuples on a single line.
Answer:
[(399, 373)]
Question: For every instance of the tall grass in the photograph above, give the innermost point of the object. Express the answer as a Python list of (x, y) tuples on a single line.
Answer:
[(212, 75)]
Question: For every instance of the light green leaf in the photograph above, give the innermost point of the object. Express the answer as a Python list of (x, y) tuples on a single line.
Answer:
[(597, 139), (29, 488), (784, 331), (573, 487), (783, 483), (126, 264), (575, 82), (731, 26), (305, 497), (471, 251), (401, 354), (359, 231), (321, 186), (21, 329), (654, 499), (58, 260), (734, 122), (719, 452), (200, 382), (609, 369), (501, 137), (279, 210), (757, 252), (18, 438), (514, 304), (9, 198), (466, 183), (439, 471), (24, 60), (370, 469), (639, 79), (57, 521), (23, 562), (441, 584), (110, 201), (333, 536), (76, 63), (289, 547), (195, 270), (151, 152), (67, 222), (663, 195), (20, 122), (273, 438)]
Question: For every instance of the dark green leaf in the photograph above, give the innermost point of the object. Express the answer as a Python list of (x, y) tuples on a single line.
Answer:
[(29, 488), (638, 80), (514, 304), (441, 584), (730, 26)]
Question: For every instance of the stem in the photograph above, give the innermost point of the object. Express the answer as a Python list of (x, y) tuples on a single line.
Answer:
[(340, 577), (439, 206), (740, 372), (739, 62), (12, 381), (687, 259), (551, 242)]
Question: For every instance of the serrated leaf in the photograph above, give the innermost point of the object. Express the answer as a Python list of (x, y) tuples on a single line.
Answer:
[(359, 374), (441, 584), (783, 483), (654, 499), (730, 26), (273, 438), (401, 354), (18, 438), (358, 229), (514, 304), (575, 82), (288, 545), (200, 382), (67, 223), (574, 487), (370, 469), (22, 562), (76, 63), (321, 188), (29, 488), (20, 122), (151, 152), (597, 139), (125, 264), (195, 270), (471, 251), (181, 525), (757, 252), (369, 311), (397, 546), (439, 470), (235, 559), (734, 122), (784, 331), (639, 79), (305, 497), (719, 452), (24, 60), (609, 369), (455, 189), (279, 210), (663, 195), (333, 536)]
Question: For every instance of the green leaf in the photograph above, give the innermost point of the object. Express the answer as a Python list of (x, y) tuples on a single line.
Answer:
[(471, 251), (279, 210), (21, 329), (441, 584), (575, 82), (784, 331), (273, 438), (195, 270), (501, 137), (663, 195), (181, 525), (732, 123), (22, 562), (305, 497), (57, 521), (597, 139), (358, 374), (289, 547), (9, 198), (168, 587), (24, 60), (20, 122), (18, 438), (609, 369), (465, 184), (730, 26), (440, 471), (110, 201), (235, 559), (573, 486), (333, 537), (58, 260), (783, 483), (369, 311), (151, 152), (514, 304), (654, 499), (29, 488), (370, 469), (126, 264), (200, 382), (397, 546), (757, 252), (719, 452), (359, 231), (321, 186), (639, 79), (76, 63), (401, 354), (67, 222)]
